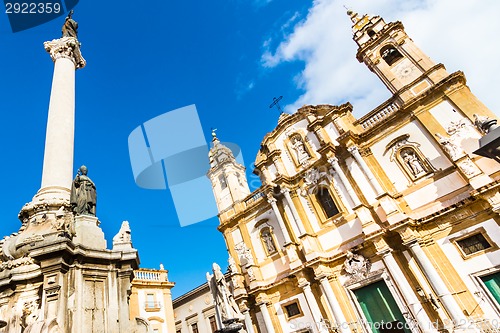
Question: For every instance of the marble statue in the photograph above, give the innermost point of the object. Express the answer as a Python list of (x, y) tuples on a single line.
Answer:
[(224, 300), (268, 241), (300, 149), (413, 163), (83, 194)]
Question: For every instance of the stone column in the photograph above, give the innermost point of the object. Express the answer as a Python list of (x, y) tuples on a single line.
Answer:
[(281, 223), (313, 305), (438, 284), (295, 214), (334, 305), (58, 170), (369, 174), (413, 302), (335, 164), (248, 321), (267, 317)]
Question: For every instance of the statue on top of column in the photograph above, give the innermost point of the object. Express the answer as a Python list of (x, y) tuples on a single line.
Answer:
[(83, 197), (70, 26)]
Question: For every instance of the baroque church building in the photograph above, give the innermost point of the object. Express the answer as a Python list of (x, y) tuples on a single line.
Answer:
[(387, 223)]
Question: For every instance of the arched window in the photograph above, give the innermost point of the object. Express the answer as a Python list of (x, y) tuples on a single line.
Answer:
[(326, 202), (370, 32), (390, 54), (268, 240)]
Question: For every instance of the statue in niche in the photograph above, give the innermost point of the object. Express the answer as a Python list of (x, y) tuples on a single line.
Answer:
[(224, 300), (268, 241), (300, 149), (412, 162), (83, 194), (70, 26)]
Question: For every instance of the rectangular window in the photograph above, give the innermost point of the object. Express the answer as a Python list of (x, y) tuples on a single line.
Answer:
[(213, 324), (473, 244), (292, 310), (194, 328), (150, 300)]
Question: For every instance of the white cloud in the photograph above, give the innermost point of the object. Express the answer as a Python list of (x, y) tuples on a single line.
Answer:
[(463, 35)]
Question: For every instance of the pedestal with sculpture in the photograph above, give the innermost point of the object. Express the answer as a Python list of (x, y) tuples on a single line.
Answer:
[(228, 315), (56, 272)]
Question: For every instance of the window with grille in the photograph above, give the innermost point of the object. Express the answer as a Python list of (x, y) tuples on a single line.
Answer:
[(473, 244)]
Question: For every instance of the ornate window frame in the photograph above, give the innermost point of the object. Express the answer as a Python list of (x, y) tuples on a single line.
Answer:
[(320, 210), (480, 230), (290, 302)]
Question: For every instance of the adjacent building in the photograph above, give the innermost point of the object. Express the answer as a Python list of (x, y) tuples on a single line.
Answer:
[(387, 223), (151, 299), (194, 312)]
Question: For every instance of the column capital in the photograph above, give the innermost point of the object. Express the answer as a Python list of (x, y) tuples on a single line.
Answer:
[(333, 161), (322, 272), (353, 150), (285, 191), (303, 283), (271, 200), (66, 47)]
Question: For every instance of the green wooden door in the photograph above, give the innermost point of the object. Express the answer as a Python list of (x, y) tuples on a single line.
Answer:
[(492, 282), (380, 309)]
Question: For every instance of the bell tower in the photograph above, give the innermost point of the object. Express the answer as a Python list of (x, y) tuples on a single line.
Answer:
[(391, 54), (227, 176)]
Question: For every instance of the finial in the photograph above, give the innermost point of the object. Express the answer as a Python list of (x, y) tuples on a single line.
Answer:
[(349, 10), (214, 135)]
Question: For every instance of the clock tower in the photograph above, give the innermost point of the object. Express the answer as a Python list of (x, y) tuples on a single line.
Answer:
[(393, 56)]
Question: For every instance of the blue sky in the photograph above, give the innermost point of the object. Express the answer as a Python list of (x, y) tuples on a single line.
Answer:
[(230, 58)]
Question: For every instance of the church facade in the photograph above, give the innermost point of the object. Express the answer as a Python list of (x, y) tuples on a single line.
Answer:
[(387, 223)]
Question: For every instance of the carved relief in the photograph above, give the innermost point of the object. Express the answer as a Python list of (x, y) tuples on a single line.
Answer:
[(450, 147), (356, 265), (244, 253)]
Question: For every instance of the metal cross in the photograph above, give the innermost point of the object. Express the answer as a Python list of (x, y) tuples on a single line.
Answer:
[(276, 102)]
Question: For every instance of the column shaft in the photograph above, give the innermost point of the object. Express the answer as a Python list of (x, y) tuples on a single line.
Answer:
[(281, 223), (438, 285), (267, 318), (334, 305), (335, 164), (59, 141), (371, 178), (295, 214), (248, 322), (313, 306), (411, 299)]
